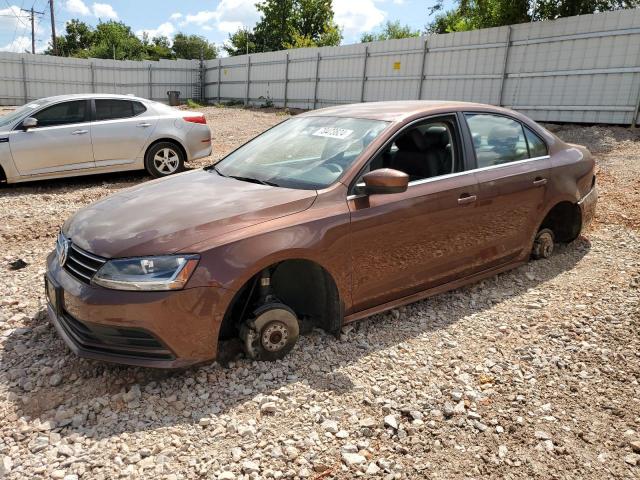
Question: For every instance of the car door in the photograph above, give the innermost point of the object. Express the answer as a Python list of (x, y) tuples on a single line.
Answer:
[(403, 243), (60, 141), (119, 130), (512, 172)]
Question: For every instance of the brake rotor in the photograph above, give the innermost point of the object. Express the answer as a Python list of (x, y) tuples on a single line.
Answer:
[(271, 333)]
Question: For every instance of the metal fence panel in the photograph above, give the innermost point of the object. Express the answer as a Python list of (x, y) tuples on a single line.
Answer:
[(577, 69), (44, 76)]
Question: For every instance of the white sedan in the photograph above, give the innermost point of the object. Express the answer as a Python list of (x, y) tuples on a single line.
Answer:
[(72, 135)]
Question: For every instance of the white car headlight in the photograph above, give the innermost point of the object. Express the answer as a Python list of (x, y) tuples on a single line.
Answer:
[(167, 272)]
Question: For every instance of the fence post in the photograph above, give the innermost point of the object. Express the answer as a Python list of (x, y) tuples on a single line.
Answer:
[(203, 75), (24, 81), (634, 120), (504, 66), (425, 50), (364, 72), (315, 87), (150, 84), (93, 78), (246, 96), (219, 77), (286, 77)]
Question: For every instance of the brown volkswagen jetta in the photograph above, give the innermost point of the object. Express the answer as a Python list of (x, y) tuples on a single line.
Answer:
[(326, 218)]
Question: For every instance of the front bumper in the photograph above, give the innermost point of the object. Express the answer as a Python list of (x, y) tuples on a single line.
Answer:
[(151, 329), (588, 206)]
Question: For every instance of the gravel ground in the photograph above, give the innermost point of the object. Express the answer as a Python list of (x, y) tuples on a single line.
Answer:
[(531, 374)]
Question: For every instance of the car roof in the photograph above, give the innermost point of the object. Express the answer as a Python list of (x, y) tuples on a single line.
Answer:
[(396, 111), (76, 96)]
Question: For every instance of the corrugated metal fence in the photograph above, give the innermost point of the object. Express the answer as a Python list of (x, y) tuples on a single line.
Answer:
[(26, 77), (576, 69)]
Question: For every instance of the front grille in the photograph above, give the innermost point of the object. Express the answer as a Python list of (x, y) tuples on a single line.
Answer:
[(121, 341), (82, 264)]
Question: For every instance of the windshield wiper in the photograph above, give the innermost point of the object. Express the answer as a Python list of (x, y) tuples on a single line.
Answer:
[(215, 169), (254, 180)]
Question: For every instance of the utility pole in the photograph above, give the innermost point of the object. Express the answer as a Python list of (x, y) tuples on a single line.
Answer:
[(32, 14), (53, 28)]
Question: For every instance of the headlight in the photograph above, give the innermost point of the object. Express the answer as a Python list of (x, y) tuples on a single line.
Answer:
[(169, 272)]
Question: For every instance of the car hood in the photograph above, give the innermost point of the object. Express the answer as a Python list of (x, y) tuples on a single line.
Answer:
[(168, 215)]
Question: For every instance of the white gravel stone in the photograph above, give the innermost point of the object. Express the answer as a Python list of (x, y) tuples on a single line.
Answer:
[(391, 421), (330, 426), (250, 467), (352, 459)]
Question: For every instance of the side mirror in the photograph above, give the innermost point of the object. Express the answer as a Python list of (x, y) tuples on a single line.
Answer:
[(384, 180), (29, 122)]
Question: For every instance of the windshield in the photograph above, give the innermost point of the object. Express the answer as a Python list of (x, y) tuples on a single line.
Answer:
[(6, 120), (305, 152)]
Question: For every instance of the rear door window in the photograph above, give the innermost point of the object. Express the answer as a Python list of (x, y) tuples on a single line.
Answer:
[(63, 114), (496, 139), (112, 109)]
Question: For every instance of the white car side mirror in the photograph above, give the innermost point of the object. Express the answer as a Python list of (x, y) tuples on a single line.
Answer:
[(29, 122)]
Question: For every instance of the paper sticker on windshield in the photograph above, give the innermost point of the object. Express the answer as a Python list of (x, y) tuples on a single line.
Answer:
[(331, 132)]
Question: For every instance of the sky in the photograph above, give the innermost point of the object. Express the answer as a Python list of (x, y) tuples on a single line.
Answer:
[(213, 19)]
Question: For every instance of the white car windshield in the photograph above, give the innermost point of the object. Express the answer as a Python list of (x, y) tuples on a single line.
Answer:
[(305, 152)]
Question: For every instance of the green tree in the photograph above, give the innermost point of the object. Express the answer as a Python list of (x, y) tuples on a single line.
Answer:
[(391, 30), (157, 48), (313, 20), (287, 24), (276, 25), (241, 42), (190, 46), (117, 41), (76, 41), (550, 9), (474, 14)]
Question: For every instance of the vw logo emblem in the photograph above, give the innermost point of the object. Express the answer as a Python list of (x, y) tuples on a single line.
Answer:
[(62, 249)]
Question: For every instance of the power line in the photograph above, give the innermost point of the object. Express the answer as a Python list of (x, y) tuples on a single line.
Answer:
[(15, 30), (14, 13), (33, 14)]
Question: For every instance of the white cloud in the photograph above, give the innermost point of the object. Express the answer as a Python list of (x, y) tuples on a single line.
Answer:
[(165, 29), (18, 45), (398, 2), (357, 16), (228, 16), (229, 27), (16, 25), (98, 10), (175, 16), (77, 6), (104, 10), (9, 22)]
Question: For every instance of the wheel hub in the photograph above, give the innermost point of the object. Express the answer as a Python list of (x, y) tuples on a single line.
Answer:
[(274, 336)]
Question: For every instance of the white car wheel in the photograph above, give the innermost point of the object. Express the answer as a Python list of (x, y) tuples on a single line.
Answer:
[(164, 159)]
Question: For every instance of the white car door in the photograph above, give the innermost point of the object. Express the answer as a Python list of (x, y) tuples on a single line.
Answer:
[(119, 131), (61, 140)]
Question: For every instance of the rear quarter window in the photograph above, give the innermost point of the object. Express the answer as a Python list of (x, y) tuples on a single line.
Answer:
[(537, 147)]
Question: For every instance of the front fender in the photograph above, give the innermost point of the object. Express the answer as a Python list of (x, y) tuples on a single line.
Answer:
[(232, 261), (6, 159)]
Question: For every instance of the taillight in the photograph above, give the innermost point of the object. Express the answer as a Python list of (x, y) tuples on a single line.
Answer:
[(198, 119)]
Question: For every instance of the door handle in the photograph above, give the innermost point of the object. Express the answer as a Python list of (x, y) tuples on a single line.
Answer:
[(466, 198), (143, 125), (79, 132), (539, 181)]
